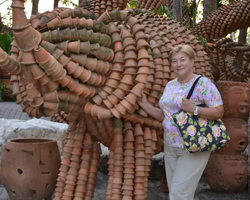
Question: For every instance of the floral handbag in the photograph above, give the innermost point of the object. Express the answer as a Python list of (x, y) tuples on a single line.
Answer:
[(200, 134)]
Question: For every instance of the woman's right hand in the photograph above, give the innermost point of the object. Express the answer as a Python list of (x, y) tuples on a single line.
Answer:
[(150, 109), (142, 101)]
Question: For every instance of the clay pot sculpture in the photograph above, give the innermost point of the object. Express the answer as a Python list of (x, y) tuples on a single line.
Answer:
[(29, 168), (237, 130), (226, 173), (235, 96)]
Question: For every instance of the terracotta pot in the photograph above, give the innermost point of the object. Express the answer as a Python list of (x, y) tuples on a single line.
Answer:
[(137, 89), (116, 75), (119, 93), (148, 143), (141, 43), (129, 150), (131, 98), (112, 28), (36, 102), (141, 78), (31, 153), (27, 58), (116, 37), (130, 70), (132, 21), (139, 147), (126, 104), (91, 63), (143, 62), (51, 106), (125, 33), (32, 92), (51, 97), (124, 86), (118, 46), (128, 176), (117, 67), (130, 63), (128, 41), (129, 48), (121, 109), (37, 72), (112, 83), (115, 112), (44, 80), (41, 55), (113, 99), (108, 104), (103, 114), (127, 79), (129, 160)]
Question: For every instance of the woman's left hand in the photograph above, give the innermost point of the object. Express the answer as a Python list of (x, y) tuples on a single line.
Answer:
[(188, 105)]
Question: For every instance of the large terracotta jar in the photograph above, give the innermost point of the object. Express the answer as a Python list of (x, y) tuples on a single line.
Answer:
[(226, 173), (29, 168), (237, 130)]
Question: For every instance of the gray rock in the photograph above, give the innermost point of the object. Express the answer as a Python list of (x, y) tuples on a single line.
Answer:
[(33, 128)]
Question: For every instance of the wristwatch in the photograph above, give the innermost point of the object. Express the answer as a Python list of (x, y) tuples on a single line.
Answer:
[(196, 110)]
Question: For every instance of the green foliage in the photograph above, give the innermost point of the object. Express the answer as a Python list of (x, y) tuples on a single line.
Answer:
[(195, 14), (202, 40), (5, 42), (163, 10), (2, 89), (68, 2), (131, 4)]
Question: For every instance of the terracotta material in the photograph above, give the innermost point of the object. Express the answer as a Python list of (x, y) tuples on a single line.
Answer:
[(237, 130), (34, 166), (235, 99), (226, 173), (101, 66)]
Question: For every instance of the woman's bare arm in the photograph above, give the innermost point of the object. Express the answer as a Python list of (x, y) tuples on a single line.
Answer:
[(154, 112), (213, 113)]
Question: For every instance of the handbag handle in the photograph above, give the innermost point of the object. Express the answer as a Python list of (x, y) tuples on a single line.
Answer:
[(192, 88)]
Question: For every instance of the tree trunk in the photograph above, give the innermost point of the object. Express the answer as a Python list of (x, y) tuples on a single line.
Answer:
[(243, 36), (194, 13), (56, 3), (34, 7), (208, 7), (79, 2), (177, 9)]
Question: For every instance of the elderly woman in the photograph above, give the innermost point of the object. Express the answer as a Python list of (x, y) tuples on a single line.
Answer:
[(183, 169)]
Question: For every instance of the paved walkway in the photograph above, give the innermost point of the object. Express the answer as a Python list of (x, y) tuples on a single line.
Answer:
[(11, 110)]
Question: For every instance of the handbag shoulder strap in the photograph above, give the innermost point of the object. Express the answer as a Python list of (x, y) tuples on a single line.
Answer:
[(192, 88)]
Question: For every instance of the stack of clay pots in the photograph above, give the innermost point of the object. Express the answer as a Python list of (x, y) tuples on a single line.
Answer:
[(109, 64), (95, 70), (226, 170), (149, 5), (224, 21), (100, 6), (232, 59), (81, 156), (129, 161)]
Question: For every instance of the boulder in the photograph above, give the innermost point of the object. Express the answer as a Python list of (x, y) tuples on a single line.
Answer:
[(33, 128)]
